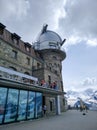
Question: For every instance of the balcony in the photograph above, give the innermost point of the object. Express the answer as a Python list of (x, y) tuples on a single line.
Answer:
[(12, 75), (19, 80)]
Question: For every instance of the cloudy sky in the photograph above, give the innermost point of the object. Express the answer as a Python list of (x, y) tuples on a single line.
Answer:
[(75, 20)]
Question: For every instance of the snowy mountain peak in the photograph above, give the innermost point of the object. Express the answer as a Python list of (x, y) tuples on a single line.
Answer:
[(88, 96)]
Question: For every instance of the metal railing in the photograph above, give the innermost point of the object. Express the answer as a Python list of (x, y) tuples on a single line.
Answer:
[(17, 76)]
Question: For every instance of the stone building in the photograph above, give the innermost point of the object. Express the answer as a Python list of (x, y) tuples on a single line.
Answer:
[(22, 69)]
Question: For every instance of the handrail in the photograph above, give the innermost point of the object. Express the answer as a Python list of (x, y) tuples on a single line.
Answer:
[(17, 73)]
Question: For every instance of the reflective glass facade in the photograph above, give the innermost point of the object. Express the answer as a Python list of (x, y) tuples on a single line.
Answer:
[(3, 94), (31, 105), (38, 111), (11, 105), (22, 107), (17, 105)]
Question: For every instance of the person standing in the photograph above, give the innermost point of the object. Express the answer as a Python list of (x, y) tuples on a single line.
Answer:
[(44, 110)]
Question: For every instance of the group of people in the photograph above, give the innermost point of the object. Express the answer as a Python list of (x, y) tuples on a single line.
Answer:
[(53, 85), (83, 108)]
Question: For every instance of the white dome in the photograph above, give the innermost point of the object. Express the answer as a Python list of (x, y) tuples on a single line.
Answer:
[(49, 36), (49, 41)]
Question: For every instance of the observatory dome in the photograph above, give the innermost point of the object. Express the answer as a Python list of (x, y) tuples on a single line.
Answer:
[(48, 40), (49, 36)]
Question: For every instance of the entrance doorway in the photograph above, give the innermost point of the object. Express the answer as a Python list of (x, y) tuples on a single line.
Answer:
[(43, 100)]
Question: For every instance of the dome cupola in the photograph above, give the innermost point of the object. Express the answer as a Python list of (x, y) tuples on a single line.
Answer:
[(48, 40)]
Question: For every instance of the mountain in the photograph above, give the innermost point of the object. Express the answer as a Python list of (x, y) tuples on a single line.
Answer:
[(88, 96)]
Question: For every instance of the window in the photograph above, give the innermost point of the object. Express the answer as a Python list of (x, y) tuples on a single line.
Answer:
[(28, 61), (60, 71), (54, 57), (38, 65), (3, 94), (1, 31), (27, 73), (49, 79), (62, 86), (52, 45), (63, 101), (27, 49), (50, 64), (15, 41), (55, 71), (55, 64), (50, 68), (15, 38), (14, 54), (13, 68), (22, 108), (11, 106), (51, 106), (31, 105), (58, 65), (38, 109), (1, 28)]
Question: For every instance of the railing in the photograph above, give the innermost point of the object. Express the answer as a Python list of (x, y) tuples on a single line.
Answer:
[(12, 75), (48, 45), (17, 76)]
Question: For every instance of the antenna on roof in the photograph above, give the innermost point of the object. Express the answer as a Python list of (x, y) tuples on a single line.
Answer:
[(44, 28), (63, 42)]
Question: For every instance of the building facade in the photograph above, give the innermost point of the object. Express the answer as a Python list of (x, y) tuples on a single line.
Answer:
[(30, 76)]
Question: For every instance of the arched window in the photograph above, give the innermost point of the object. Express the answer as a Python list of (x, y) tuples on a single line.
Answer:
[(27, 73), (12, 68)]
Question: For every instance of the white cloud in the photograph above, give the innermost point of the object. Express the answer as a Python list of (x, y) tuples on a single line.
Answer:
[(13, 9), (92, 42), (80, 21), (89, 81), (27, 17), (78, 86), (75, 20)]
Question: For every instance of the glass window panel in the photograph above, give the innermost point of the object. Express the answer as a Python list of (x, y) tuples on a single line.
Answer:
[(31, 105), (14, 54), (22, 105), (3, 93), (11, 106), (38, 110)]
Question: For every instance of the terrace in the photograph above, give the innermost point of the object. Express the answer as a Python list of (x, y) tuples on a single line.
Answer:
[(19, 80)]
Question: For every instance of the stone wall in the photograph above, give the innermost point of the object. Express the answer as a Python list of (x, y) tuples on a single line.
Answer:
[(7, 59)]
